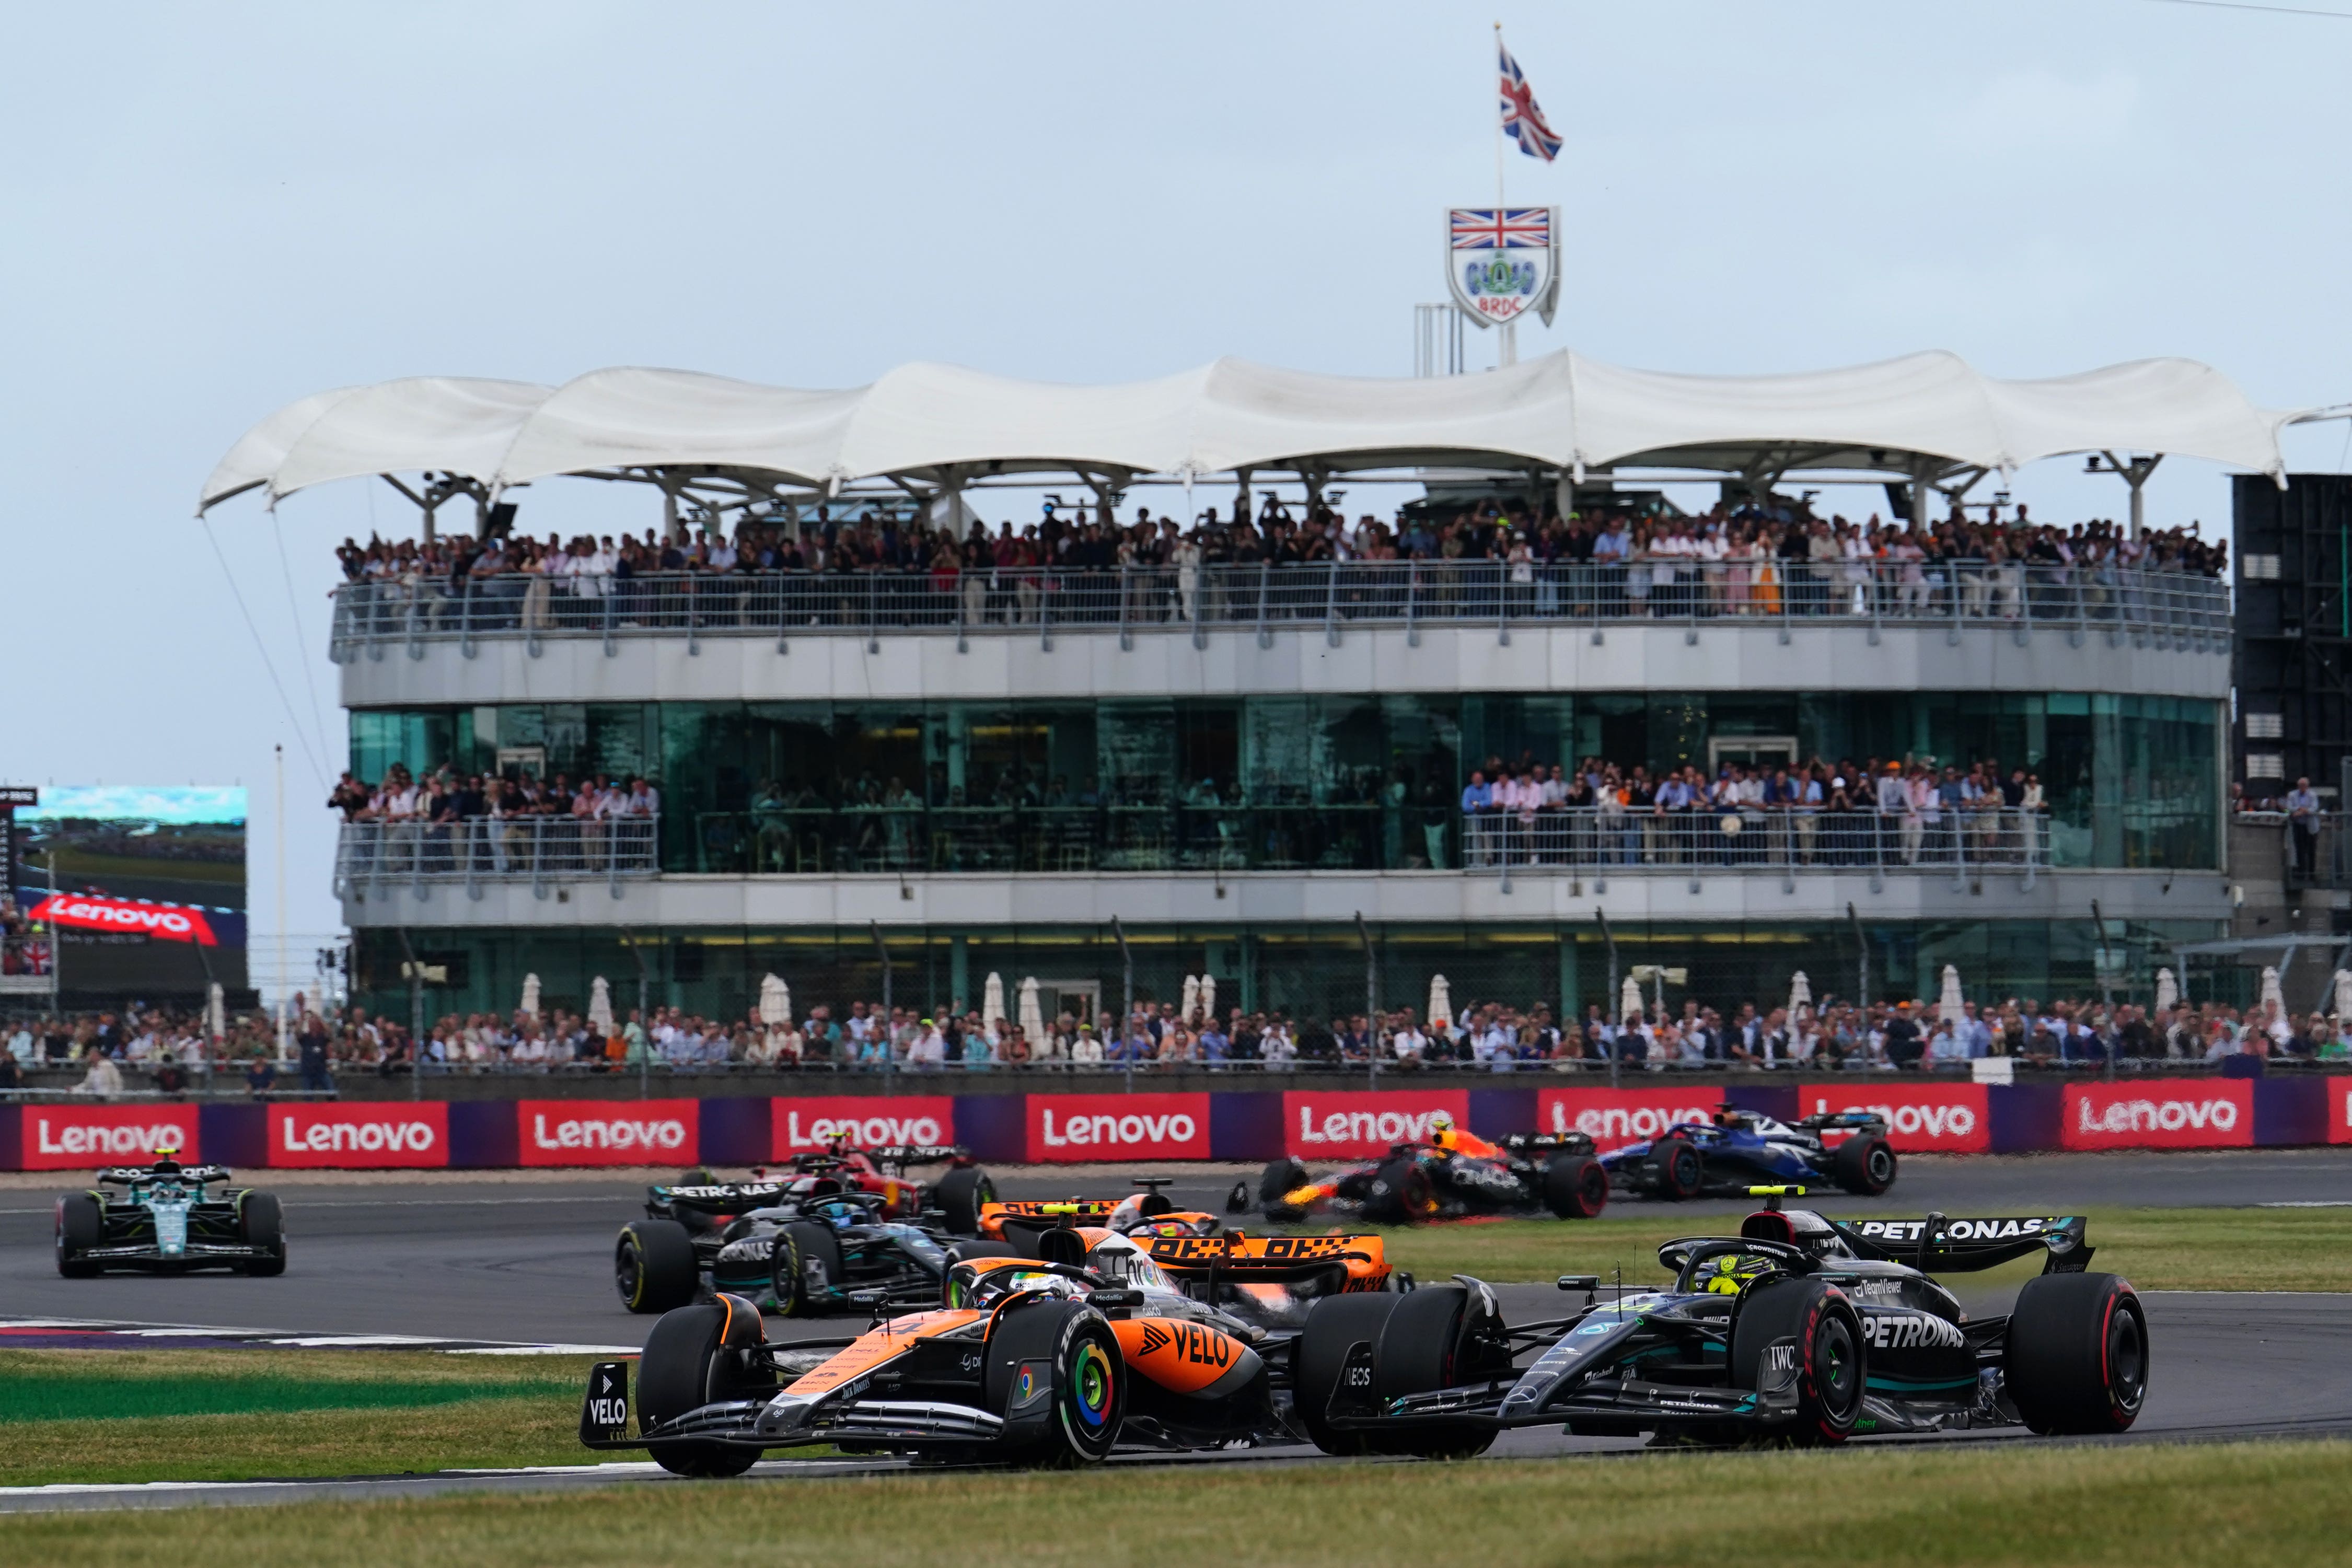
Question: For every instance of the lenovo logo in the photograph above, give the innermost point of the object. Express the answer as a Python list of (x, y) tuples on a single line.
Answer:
[(355, 1138), (1614, 1124), (661, 1136), (1175, 1127), (2125, 1116), (869, 1131), (74, 1139), (1383, 1127)]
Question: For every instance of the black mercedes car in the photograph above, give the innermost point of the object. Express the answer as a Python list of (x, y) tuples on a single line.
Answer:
[(1798, 1329)]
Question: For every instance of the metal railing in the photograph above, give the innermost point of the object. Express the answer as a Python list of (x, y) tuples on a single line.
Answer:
[(2312, 848), (1757, 841), (2163, 609), (371, 856)]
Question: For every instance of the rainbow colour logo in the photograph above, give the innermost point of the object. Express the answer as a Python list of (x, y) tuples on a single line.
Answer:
[(1092, 1385)]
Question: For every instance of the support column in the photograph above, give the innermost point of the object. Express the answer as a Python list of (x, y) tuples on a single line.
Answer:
[(1922, 486), (959, 974)]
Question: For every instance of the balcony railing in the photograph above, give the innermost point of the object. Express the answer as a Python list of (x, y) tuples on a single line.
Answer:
[(2160, 608), (370, 857), (1163, 839)]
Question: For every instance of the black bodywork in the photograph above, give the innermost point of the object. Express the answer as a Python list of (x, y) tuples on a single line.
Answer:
[(1740, 1149), (1799, 1328)]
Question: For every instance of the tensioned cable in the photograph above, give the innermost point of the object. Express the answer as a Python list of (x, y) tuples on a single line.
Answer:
[(2252, 5), (263, 649), (301, 639)]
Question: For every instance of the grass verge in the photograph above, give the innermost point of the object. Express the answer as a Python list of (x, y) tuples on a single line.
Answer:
[(195, 1415), (2155, 1249), (2150, 1506)]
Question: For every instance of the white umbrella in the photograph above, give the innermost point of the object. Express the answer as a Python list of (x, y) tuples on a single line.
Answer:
[(530, 996), (1800, 994), (1948, 1006), (775, 1000), (600, 1007), (215, 1012), (2343, 994), (2167, 992), (992, 1000), (1032, 1018), (1629, 1003), (1208, 996), (2272, 995), (1191, 998), (1441, 1000)]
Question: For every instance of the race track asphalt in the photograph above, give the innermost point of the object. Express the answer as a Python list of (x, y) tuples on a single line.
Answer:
[(482, 1258)]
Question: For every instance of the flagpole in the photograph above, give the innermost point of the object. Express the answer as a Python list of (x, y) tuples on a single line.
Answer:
[(1499, 120)]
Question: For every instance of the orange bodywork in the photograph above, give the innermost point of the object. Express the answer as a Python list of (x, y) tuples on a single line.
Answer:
[(870, 1349), (1237, 1253), (1181, 1358)]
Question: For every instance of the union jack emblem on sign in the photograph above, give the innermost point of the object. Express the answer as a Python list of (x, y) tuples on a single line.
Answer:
[(1502, 262)]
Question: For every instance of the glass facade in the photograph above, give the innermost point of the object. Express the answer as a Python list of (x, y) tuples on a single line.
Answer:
[(1349, 782), (1316, 972)]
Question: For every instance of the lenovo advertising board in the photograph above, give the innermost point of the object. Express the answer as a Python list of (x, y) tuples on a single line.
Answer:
[(608, 1132), (391, 1135), (1079, 1129), (802, 1124), (1361, 1123), (2159, 1113), (1615, 1117), (1921, 1118), (84, 1137)]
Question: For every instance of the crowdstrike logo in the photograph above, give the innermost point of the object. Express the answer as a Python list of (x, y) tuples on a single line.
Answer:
[(870, 1131), (2122, 1117), (609, 1132), (357, 1137), (77, 1140), (1175, 1127), (1383, 1127), (1624, 1126)]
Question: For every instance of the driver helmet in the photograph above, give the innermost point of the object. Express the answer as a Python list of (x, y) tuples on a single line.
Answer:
[(1441, 1121), (1727, 1273)]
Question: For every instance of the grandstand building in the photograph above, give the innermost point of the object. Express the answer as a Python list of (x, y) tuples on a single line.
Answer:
[(1117, 776)]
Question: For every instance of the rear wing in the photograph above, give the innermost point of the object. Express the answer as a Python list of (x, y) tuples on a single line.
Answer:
[(916, 1154), (1527, 1143), (1944, 1244), (732, 1196), (1265, 1258), (123, 1175)]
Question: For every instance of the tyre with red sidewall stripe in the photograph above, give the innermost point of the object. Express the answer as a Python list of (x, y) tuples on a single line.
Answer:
[(2077, 1358), (1832, 1358)]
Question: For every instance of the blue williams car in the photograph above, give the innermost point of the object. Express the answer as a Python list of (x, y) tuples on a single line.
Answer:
[(1741, 1149)]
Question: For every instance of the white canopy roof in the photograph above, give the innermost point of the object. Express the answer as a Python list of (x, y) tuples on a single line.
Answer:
[(1562, 410)]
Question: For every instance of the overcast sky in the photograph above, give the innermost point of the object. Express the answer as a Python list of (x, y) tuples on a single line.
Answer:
[(217, 209)]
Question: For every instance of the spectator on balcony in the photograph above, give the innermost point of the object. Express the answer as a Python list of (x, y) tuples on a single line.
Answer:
[(2303, 826)]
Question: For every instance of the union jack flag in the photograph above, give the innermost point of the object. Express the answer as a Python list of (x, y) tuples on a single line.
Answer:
[(1501, 228), (1523, 122)]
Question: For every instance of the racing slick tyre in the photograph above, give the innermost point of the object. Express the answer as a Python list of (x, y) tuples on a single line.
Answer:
[(1831, 1355), (80, 1225), (262, 1224), (1281, 1178), (1400, 1193), (1333, 1326), (699, 1355), (1864, 1164), (1677, 1171), (1086, 1380), (1575, 1186), (2076, 1360), (654, 1266), (1427, 1344), (961, 1193), (805, 1269)]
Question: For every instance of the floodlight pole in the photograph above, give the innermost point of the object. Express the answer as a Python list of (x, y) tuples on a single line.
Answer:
[(1609, 941), (1126, 1003)]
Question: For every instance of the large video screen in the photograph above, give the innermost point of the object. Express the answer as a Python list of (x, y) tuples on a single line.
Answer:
[(145, 887)]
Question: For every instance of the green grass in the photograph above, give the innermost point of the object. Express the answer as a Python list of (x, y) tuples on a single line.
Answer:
[(2155, 1249), (195, 1415), (2150, 1506)]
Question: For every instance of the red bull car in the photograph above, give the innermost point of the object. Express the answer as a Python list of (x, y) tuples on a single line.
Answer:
[(1454, 1175)]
